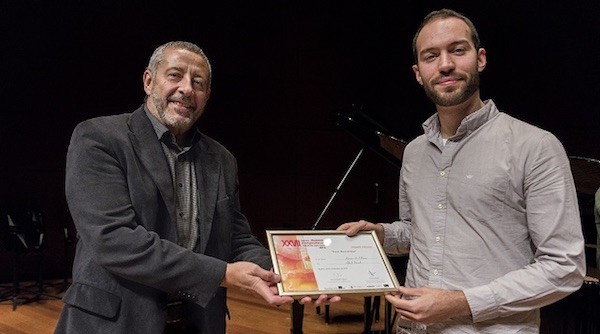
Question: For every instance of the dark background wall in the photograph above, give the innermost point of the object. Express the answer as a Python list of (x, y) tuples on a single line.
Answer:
[(280, 68)]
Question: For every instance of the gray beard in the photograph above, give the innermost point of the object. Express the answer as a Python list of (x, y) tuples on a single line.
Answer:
[(161, 108)]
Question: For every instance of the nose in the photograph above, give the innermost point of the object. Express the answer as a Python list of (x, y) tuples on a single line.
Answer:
[(186, 86), (446, 62)]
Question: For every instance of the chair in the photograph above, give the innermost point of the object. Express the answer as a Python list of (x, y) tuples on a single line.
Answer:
[(24, 233)]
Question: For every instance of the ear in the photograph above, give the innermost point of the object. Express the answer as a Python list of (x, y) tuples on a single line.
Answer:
[(481, 59), (415, 69), (147, 80)]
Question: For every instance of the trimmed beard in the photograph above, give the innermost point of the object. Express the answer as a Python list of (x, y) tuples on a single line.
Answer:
[(457, 97), (169, 121)]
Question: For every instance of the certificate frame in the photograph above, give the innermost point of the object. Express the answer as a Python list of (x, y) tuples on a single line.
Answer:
[(319, 262)]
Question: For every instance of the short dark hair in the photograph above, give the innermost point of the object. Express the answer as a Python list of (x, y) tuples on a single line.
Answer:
[(444, 14)]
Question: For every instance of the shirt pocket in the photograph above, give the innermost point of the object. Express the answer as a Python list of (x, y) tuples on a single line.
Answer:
[(479, 195)]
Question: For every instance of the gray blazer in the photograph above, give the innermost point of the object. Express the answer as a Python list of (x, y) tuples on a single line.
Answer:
[(128, 264)]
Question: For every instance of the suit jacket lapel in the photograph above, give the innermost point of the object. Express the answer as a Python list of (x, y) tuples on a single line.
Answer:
[(149, 151), (207, 175)]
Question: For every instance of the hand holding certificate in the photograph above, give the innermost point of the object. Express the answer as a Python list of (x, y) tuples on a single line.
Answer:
[(329, 262)]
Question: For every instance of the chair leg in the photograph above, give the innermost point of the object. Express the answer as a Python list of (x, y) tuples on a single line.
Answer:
[(16, 284)]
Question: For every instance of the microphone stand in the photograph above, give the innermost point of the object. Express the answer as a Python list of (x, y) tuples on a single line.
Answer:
[(297, 313)]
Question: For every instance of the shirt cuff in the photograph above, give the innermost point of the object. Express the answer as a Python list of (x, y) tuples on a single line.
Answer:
[(482, 303), (389, 237), (395, 238)]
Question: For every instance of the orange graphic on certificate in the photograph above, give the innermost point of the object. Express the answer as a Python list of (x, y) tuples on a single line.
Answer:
[(294, 264)]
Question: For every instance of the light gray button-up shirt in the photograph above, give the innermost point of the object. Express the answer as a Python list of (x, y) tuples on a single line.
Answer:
[(492, 212)]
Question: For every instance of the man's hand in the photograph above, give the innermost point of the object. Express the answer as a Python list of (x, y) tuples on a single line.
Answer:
[(429, 305), (362, 225), (323, 299), (249, 276)]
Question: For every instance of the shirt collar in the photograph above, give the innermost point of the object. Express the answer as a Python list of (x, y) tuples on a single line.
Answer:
[(159, 128), (472, 122)]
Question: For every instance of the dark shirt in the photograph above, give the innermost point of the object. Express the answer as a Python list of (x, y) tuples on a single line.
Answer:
[(183, 174)]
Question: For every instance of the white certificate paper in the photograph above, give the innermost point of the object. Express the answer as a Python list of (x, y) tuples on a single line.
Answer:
[(316, 262)]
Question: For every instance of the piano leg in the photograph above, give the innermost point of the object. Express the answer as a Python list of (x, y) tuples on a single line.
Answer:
[(297, 317)]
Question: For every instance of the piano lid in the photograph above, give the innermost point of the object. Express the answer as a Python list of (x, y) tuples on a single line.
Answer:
[(372, 134)]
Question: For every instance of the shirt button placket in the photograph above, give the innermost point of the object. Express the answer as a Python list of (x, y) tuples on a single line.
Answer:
[(435, 278)]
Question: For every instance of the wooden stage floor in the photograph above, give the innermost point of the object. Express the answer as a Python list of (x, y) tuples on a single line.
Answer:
[(248, 315)]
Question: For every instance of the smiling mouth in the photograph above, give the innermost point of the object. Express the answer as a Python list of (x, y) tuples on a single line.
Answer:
[(447, 81), (182, 104)]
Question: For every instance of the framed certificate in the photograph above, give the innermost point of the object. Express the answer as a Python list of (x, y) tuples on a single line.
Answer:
[(329, 262)]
